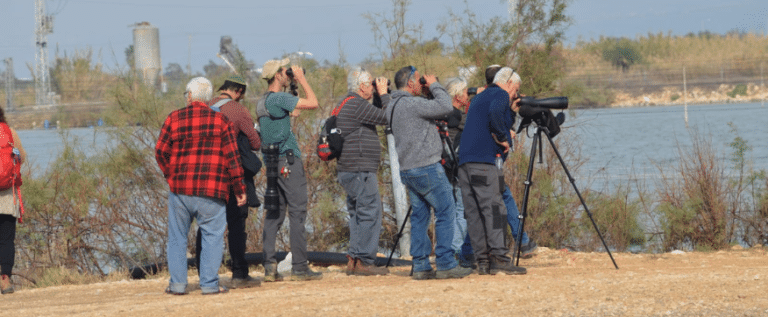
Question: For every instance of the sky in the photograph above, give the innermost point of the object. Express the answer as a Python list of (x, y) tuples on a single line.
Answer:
[(190, 30)]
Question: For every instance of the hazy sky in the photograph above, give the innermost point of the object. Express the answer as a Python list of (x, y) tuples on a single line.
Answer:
[(265, 30)]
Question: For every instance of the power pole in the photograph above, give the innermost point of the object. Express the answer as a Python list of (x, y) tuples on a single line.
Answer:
[(10, 80), (43, 27)]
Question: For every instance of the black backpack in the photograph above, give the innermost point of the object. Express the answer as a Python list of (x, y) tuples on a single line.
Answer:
[(330, 142)]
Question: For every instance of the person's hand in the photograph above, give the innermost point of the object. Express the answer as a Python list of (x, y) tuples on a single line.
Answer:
[(241, 199), (381, 85), (480, 89), (504, 144), (298, 73), (295, 113), (430, 79), (515, 105)]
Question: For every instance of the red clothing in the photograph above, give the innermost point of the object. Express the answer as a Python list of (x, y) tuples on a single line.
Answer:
[(197, 152), (241, 120)]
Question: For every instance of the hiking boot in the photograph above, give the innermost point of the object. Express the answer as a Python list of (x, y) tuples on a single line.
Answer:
[(350, 265), (5, 284), (456, 272), (504, 265), (246, 282), (270, 273), (483, 268), (363, 269), (423, 275), (305, 275), (466, 260), (527, 250)]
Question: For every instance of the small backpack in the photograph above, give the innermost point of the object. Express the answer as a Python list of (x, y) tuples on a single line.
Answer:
[(330, 142), (10, 160)]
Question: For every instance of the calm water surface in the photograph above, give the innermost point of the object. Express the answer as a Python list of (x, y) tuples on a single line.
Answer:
[(618, 144)]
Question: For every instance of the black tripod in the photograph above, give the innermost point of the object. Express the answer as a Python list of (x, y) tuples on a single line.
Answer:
[(528, 183)]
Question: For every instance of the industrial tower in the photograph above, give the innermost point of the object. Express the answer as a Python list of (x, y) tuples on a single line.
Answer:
[(43, 27), (10, 81)]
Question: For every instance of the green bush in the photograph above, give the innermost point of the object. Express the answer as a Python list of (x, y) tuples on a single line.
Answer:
[(739, 90)]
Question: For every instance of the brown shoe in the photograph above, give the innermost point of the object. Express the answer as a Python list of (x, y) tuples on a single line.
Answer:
[(351, 265), (363, 269), (5, 285)]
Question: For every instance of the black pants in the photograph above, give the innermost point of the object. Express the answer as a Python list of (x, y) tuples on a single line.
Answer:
[(7, 246), (237, 237)]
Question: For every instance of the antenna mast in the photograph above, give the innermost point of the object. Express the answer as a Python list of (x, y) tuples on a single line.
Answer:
[(43, 27)]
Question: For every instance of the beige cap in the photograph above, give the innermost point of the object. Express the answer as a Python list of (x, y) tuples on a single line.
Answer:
[(272, 66)]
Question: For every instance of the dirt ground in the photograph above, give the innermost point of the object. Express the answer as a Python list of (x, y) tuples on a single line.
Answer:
[(558, 283)]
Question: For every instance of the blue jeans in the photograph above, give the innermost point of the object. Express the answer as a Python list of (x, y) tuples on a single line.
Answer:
[(512, 219), (429, 187), (512, 214), (364, 207), (210, 214), (459, 223)]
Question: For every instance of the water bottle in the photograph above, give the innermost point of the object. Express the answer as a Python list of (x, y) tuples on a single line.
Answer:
[(499, 162)]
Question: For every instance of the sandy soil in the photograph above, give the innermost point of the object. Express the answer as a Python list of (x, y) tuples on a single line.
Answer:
[(558, 283)]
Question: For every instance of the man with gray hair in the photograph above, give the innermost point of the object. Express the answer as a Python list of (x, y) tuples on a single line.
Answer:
[(358, 164), (197, 153), (419, 148), (486, 139)]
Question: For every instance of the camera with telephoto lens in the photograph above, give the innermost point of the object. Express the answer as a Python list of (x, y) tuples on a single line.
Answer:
[(271, 159), (539, 111)]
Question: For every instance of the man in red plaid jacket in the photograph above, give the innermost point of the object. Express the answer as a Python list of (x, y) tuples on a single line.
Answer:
[(197, 152)]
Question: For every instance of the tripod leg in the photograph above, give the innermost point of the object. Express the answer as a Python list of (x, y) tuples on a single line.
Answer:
[(399, 234), (573, 183), (524, 212)]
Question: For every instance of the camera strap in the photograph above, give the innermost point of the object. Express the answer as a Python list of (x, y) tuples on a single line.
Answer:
[(392, 114)]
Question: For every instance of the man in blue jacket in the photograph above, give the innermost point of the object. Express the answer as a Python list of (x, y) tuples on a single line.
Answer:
[(487, 136)]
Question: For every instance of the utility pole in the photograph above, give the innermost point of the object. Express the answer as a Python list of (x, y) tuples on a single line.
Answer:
[(43, 27), (10, 80)]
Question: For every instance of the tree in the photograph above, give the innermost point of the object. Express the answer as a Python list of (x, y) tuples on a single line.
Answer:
[(528, 42), (622, 54)]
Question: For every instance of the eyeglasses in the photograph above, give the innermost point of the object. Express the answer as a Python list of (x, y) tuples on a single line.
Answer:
[(186, 94), (413, 71)]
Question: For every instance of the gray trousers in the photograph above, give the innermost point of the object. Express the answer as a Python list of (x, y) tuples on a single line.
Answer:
[(293, 195), (481, 189), (364, 207)]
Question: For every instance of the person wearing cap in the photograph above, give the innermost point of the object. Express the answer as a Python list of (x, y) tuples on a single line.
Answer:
[(487, 136), (197, 153), (275, 110), (419, 149), (228, 103), (357, 168)]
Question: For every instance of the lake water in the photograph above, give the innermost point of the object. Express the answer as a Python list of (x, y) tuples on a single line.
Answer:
[(619, 143)]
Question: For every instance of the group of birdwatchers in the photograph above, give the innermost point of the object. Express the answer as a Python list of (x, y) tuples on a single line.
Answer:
[(203, 151)]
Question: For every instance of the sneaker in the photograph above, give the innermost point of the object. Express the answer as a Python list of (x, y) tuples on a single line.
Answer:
[(305, 275), (363, 269), (483, 268), (5, 285), (423, 275), (456, 272), (506, 267), (246, 282), (527, 249), (270, 273)]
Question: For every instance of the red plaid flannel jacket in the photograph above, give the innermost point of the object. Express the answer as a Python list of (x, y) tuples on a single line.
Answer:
[(197, 152)]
